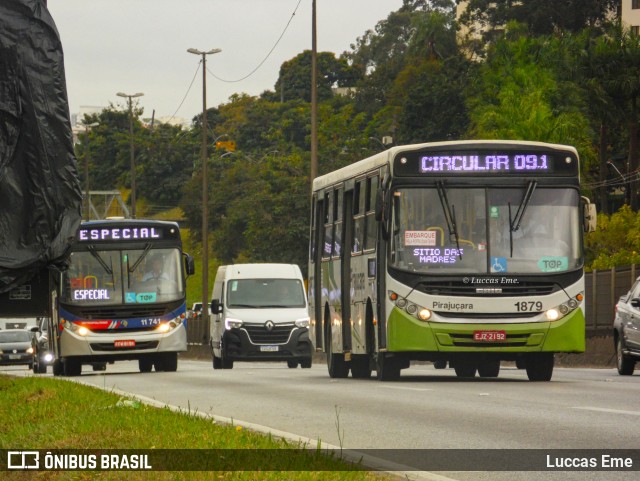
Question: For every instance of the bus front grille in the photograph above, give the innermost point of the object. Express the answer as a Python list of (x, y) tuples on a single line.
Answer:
[(455, 288)]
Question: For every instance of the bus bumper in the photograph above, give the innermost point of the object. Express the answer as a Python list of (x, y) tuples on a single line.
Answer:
[(106, 346), (405, 334)]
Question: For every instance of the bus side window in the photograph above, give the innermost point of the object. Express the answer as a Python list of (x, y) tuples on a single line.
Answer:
[(337, 229), (328, 226), (358, 217), (370, 222)]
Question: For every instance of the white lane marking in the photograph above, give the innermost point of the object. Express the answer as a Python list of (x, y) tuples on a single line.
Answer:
[(407, 388), (605, 410)]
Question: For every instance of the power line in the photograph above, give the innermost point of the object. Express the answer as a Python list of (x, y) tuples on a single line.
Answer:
[(267, 56), (188, 90)]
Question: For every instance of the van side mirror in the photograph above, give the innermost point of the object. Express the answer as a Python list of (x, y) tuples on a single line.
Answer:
[(216, 306)]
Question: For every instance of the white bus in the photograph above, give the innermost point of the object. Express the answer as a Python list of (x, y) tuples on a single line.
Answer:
[(123, 297), (464, 253)]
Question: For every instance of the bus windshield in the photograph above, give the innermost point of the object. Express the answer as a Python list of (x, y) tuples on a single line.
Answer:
[(117, 277), (529, 230)]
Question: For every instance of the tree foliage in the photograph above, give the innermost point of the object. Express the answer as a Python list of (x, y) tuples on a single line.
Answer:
[(549, 73)]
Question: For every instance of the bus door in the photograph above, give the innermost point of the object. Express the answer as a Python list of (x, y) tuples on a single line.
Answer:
[(317, 237), (345, 267)]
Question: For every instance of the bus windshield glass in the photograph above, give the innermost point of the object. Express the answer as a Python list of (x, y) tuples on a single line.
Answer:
[(529, 230), (123, 277), (260, 293)]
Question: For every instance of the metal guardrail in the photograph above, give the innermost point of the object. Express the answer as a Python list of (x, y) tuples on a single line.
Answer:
[(197, 330), (602, 291)]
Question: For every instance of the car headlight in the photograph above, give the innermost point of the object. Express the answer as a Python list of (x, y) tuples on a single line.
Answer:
[(230, 323), (30, 350), (48, 357), (304, 322), (558, 312)]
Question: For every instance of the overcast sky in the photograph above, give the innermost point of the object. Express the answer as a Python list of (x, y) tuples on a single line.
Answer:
[(141, 46)]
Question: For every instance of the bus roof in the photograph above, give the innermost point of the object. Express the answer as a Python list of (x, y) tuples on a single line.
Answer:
[(384, 158)]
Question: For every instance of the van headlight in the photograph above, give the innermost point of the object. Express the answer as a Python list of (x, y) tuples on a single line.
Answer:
[(230, 323), (304, 322)]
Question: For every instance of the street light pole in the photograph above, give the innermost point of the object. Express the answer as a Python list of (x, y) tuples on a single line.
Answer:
[(205, 187), (131, 153), (87, 156), (314, 96)]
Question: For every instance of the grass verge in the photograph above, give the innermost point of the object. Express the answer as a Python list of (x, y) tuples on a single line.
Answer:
[(44, 413)]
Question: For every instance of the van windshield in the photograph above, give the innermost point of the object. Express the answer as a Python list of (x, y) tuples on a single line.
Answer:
[(260, 293)]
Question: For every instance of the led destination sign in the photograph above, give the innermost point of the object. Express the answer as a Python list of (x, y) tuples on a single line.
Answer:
[(474, 161), (118, 234), (485, 163)]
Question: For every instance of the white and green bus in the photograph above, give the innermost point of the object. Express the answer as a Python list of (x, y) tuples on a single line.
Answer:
[(463, 253)]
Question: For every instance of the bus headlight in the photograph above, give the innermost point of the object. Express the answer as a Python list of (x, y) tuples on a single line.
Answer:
[(304, 322), (558, 312), (163, 327), (230, 323), (419, 312), (83, 331)]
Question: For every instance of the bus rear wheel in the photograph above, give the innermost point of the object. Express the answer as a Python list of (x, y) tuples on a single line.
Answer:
[(540, 366), (360, 367)]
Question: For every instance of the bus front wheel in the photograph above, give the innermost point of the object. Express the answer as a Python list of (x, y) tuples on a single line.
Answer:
[(145, 364), (388, 368), (72, 367), (539, 366)]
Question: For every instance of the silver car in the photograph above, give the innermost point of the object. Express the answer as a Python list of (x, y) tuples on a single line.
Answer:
[(15, 347), (626, 330)]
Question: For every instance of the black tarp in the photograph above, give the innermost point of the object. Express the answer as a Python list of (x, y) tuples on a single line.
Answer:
[(40, 196)]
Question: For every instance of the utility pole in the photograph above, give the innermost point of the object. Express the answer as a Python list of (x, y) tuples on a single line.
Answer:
[(314, 96), (87, 157), (205, 186), (131, 152)]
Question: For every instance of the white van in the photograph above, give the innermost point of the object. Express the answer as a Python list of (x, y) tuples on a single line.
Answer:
[(259, 313)]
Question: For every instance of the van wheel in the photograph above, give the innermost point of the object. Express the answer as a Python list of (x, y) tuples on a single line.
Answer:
[(292, 364), (306, 364)]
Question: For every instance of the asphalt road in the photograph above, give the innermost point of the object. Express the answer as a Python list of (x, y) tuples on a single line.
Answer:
[(427, 409)]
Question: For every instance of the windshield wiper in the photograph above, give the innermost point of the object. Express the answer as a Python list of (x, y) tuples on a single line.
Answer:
[(514, 224), (146, 250), (94, 253), (449, 215)]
